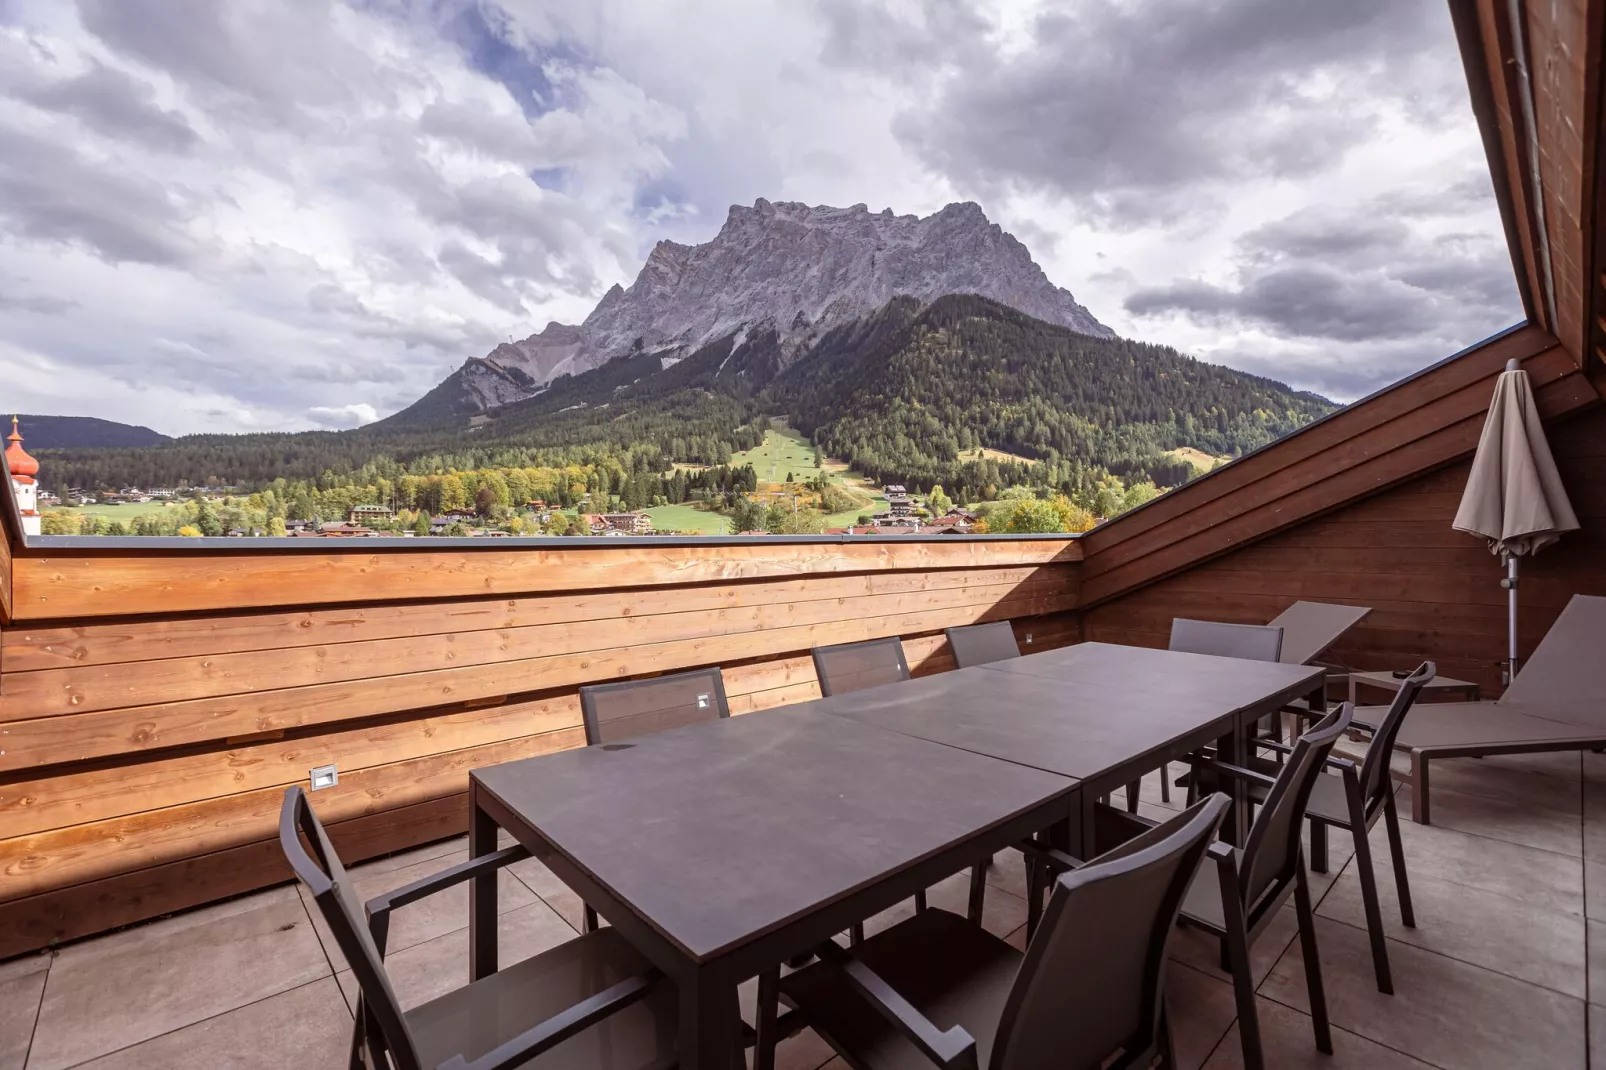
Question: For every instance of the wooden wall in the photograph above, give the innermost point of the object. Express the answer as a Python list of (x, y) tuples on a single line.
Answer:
[(1434, 592), (153, 706)]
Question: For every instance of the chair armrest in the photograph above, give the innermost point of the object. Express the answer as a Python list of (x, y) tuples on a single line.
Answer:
[(437, 882), (1052, 857), (954, 1049), (560, 1027), (1240, 772), (1269, 745)]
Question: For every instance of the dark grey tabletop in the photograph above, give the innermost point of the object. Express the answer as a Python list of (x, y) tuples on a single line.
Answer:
[(1231, 683), (1079, 730), (719, 832)]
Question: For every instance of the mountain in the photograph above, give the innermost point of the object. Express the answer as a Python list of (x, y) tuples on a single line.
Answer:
[(83, 432), (787, 268)]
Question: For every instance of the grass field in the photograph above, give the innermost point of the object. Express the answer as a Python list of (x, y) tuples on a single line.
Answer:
[(118, 511), (986, 453), (783, 451), (1202, 462), (687, 518)]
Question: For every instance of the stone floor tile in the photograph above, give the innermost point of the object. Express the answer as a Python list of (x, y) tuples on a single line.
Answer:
[(1502, 819), (1496, 778), (22, 985), (1536, 876), (1001, 913), (1597, 1035), (435, 967), (1509, 935), (411, 857), (426, 919), (1445, 1012), (557, 895), (105, 994), (1201, 1010), (1008, 873), (307, 1027), (1288, 1043), (801, 1051), (1202, 951), (1595, 889)]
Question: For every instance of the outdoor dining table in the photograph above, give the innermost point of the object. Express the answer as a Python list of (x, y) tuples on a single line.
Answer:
[(723, 848)]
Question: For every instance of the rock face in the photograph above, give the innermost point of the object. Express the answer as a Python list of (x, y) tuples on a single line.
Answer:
[(796, 269)]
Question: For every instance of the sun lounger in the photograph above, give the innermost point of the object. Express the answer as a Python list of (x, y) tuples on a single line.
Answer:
[(1557, 702), (1309, 628)]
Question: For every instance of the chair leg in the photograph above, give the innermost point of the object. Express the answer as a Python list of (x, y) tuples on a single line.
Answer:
[(1318, 846), (1374, 913), (1034, 897), (1168, 1048), (1132, 789), (978, 892), (768, 999), (920, 901), (1165, 781), (1313, 962), (1235, 950), (1419, 788), (590, 920), (1391, 819), (856, 934)]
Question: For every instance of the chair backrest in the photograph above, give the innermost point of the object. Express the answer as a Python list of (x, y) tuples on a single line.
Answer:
[(1565, 669), (1309, 628), (632, 708), (1375, 780), (313, 858), (1092, 982), (855, 666), (1253, 642), (1272, 853), (977, 644)]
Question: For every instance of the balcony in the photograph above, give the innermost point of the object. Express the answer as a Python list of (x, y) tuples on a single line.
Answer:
[(156, 700)]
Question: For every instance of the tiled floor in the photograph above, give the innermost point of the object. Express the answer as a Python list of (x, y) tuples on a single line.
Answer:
[(1508, 953)]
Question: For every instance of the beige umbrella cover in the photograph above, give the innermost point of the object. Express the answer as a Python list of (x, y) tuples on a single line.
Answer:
[(1514, 497)]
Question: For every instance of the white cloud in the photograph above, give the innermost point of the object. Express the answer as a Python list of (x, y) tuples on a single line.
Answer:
[(222, 216), (343, 416)]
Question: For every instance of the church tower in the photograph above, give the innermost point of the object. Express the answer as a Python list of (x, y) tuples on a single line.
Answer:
[(23, 468)]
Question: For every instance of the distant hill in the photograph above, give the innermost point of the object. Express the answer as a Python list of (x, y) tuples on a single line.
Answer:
[(83, 432)]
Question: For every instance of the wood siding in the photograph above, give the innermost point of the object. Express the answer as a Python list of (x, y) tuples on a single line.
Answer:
[(1434, 592), (143, 757)]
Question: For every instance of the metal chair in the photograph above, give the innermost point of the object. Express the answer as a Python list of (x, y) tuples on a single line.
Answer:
[(1252, 642), (631, 708), (850, 667), (1087, 993), (1354, 802), (1252, 883), (591, 1002), (978, 644)]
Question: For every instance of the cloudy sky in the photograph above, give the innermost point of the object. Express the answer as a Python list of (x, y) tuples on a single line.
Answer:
[(293, 213)]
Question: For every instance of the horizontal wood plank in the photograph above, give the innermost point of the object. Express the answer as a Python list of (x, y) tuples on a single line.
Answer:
[(76, 737), (30, 648), (69, 585), (79, 910)]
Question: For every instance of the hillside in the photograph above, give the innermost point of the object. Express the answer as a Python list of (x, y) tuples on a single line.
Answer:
[(900, 394), (83, 432)]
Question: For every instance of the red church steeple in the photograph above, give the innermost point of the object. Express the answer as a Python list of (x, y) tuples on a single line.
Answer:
[(21, 466)]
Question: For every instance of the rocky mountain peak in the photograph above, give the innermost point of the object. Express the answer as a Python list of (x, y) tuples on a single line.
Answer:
[(799, 270)]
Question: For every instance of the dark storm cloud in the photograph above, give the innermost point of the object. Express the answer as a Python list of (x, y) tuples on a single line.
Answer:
[(1356, 274), (1124, 108), (51, 193), (115, 104)]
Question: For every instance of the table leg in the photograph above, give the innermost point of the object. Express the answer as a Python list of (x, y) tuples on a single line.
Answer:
[(1235, 831), (482, 892), (709, 1022)]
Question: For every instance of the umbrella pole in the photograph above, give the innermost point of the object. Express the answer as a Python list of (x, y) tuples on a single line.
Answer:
[(1510, 584)]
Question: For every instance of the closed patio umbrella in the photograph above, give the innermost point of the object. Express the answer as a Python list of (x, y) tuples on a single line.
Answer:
[(1514, 497)]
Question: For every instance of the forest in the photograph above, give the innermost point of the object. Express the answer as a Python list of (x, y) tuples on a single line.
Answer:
[(908, 394)]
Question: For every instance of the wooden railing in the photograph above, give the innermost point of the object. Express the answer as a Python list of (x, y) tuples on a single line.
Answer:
[(155, 703)]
